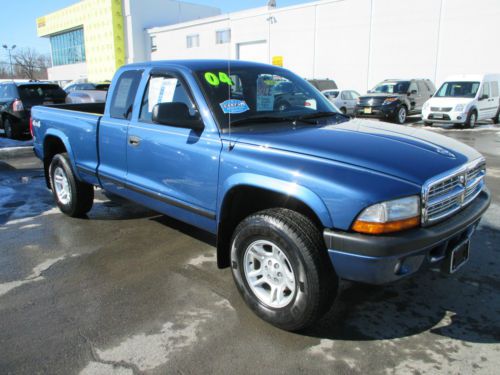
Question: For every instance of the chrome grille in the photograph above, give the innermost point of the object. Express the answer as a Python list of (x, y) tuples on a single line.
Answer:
[(441, 109), (444, 195)]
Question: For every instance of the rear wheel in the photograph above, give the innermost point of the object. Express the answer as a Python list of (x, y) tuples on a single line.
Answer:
[(11, 129), (281, 268), (496, 119), (343, 110), (73, 197)]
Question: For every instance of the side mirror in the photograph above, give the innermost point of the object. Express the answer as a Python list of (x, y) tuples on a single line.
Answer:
[(176, 114), (483, 97)]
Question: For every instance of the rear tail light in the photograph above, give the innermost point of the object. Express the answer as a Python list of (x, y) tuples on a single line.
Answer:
[(17, 106), (307, 104), (31, 126)]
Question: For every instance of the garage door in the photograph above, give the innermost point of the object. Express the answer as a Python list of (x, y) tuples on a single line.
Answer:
[(254, 51)]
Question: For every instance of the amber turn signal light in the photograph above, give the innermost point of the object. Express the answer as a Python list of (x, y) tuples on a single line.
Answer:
[(389, 227)]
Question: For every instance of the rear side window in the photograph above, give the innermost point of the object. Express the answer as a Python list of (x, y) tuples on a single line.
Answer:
[(494, 89), (124, 94), (164, 89), (28, 92)]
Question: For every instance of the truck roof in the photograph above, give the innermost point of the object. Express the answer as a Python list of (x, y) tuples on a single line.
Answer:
[(198, 64)]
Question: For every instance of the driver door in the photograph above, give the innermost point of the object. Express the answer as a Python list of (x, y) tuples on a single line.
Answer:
[(174, 169)]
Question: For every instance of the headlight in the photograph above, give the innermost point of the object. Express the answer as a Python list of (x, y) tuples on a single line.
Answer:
[(390, 216), (459, 107), (389, 100)]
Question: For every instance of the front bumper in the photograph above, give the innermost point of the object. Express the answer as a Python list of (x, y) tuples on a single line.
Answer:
[(376, 111), (382, 259), (445, 117)]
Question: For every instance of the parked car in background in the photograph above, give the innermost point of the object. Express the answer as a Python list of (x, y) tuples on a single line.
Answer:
[(344, 100), (395, 99), (87, 86), (463, 100), (323, 84), (87, 92), (16, 100)]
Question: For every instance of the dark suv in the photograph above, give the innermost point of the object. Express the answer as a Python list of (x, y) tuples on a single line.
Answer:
[(16, 100), (395, 99)]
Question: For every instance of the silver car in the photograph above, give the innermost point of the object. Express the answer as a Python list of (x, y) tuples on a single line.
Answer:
[(344, 100)]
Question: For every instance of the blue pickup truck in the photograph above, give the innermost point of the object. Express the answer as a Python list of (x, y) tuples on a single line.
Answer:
[(298, 195)]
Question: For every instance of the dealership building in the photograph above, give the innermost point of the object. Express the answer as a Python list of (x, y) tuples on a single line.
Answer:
[(93, 38), (355, 42)]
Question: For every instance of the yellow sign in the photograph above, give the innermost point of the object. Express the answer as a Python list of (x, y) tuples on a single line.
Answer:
[(40, 22), (278, 60)]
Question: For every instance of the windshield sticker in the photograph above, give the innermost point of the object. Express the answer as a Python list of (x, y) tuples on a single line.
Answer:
[(265, 99), (234, 106), (214, 79), (265, 103)]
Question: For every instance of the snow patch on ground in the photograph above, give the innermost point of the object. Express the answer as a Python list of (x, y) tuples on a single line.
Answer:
[(33, 277)]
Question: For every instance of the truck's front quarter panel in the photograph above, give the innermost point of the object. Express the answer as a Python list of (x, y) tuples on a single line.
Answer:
[(335, 192)]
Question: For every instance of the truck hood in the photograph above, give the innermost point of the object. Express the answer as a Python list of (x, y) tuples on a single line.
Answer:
[(411, 154)]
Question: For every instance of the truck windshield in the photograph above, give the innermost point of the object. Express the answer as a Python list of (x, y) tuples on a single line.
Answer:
[(458, 90), (257, 94), (400, 87)]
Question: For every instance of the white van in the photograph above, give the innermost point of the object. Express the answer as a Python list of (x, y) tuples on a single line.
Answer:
[(464, 99)]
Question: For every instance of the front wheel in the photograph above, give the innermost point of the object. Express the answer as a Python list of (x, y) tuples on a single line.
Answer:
[(73, 197), (471, 120), (401, 115), (427, 123), (282, 269)]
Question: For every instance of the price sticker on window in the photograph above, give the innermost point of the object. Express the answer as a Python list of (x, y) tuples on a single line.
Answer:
[(214, 79)]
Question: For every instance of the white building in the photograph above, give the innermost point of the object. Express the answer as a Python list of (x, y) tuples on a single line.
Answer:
[(355, 42)]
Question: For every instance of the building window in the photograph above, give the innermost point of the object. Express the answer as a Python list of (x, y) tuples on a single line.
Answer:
[(192, 41), (223, 36), (154, 47), (68, 47)]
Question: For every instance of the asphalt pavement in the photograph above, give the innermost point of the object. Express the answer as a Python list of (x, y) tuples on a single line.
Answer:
[(128, 291)]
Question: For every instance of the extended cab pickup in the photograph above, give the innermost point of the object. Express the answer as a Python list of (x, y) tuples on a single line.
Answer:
[(298, 197)]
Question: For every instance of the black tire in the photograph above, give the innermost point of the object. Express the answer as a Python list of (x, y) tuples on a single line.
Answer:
[(11, 129), (471, 119), (427, 123), (81, 194), (496, 119), (343, 110), (398, 117), (316, 283)]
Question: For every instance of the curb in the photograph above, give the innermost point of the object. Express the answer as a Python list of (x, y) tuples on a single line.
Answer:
[(14, 152)]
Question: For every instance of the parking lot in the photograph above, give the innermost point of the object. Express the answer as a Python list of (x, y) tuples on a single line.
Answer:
[(130, 291)]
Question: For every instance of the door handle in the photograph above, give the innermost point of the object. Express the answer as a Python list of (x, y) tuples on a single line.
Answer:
[(134, 141)]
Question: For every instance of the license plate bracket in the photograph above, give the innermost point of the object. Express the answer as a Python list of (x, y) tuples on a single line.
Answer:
[(368, 110), (437, 115), (457, 257)]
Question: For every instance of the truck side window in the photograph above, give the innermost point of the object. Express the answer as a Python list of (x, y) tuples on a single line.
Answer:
[(124, 94), (164, 89)]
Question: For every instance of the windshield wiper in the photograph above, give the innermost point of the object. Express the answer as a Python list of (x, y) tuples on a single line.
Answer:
[(260, 119), (321, 114)]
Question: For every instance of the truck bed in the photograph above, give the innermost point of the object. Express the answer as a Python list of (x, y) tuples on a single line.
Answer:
[(72, 121)]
